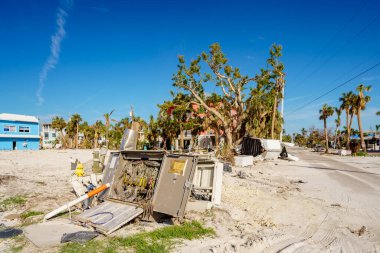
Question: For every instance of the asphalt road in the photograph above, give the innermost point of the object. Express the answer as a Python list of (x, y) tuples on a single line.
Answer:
[(349, 188)]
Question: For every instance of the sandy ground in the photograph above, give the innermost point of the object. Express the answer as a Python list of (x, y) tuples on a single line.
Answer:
[(318, 204)]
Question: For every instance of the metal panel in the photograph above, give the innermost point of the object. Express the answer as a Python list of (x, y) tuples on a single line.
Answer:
[(109, 216), (129, 140), (109, 171), (174, 184)]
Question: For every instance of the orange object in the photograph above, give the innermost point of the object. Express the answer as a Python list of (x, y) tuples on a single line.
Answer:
[(97, 190)]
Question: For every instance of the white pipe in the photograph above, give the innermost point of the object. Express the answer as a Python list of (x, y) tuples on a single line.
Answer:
[(76, 201)]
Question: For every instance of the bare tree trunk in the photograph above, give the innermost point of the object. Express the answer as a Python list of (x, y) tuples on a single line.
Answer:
[(76, 137), (362, 142), (62, 138), (216, 138), (96, 137), (326, 137), (347, 132), (182, 142), (273, 117), (229, 139)]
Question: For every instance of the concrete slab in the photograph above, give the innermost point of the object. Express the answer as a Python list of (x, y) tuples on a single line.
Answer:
[(48, 234)]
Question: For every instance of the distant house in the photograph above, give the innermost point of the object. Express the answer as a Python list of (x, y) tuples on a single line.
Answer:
[(19, 132), (49, 136)]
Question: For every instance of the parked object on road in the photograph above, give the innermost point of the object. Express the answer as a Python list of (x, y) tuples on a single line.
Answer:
[(344, 152), (319, 148)]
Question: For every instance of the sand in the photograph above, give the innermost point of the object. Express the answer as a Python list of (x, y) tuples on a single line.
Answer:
[(320, 203)]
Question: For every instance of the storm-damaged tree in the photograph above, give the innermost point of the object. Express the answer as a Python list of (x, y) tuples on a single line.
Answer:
[(347, 104), (99, 129), (176, 116), (152, 132), (338, 112), (59, 124), (232, 113), (88, 135), (324, 113), (73, 129), (277, 75), (107, 119), (377, 131), (360, 104)]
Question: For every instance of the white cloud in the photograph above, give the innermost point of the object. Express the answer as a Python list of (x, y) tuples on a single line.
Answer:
[(55, 49)]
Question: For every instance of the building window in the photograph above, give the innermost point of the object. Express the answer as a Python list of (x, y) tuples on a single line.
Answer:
[(9, 128), (46, 135), (22, 129), (53, 135)]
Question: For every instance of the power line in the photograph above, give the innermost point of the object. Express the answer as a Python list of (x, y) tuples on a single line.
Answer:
[(337, 87), (328, 43), (341, 48)]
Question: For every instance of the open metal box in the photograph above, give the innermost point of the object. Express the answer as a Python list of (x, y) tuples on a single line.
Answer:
[(207, 185), (142, 182)]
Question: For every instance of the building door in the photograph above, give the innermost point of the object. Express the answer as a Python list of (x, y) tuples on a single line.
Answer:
[(14, 145)]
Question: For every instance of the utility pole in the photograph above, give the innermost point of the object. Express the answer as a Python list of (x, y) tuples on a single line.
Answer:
[(282, 104)]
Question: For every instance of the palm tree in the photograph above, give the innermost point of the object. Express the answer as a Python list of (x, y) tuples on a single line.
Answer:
[(75, 120), (278, 88), (326, 112), (58, 123), (98, 130), (360, 104), (303, 132), (338, 112), (377, 132), (346, 100), (107, 118)]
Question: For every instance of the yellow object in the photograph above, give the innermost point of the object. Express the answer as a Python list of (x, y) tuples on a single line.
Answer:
[(79, 171)]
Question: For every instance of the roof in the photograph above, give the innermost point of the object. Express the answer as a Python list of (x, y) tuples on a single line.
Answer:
[(18, 117)]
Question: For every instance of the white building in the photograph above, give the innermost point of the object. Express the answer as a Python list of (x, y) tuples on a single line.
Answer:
[(49, 136)]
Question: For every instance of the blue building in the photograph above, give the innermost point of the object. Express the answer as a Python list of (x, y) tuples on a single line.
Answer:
[(19, 132)]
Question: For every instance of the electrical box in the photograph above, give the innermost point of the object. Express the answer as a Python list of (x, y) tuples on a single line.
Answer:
[(142, 182), (207, 185)]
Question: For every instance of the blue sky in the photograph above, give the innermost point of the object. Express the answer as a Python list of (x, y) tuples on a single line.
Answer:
[(114, 54)]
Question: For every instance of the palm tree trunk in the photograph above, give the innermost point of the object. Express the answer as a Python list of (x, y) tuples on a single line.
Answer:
[(349, 130), (96, 137), (273, 116), (326, 137), (347, 135), (182, 142), (76, 137), (362, 142)]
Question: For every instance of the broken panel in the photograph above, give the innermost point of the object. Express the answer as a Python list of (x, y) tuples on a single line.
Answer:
[(174, 184), (109, 216)]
